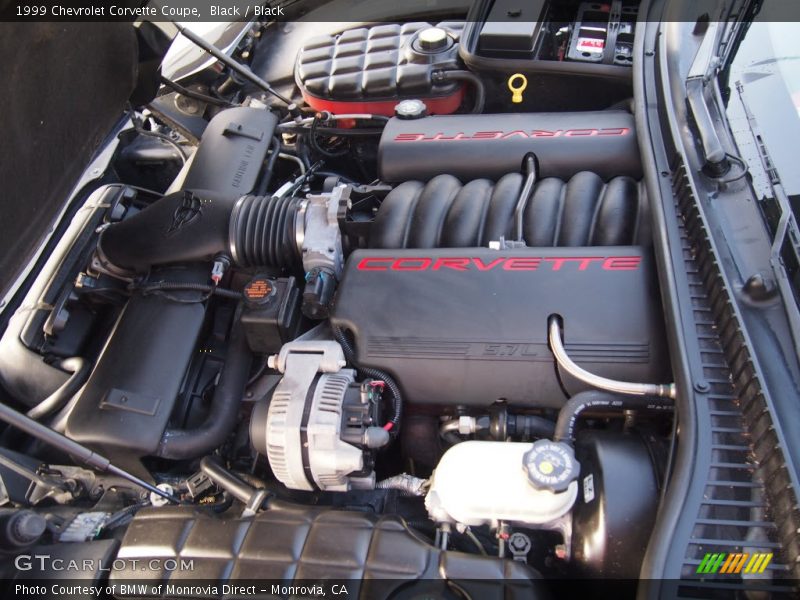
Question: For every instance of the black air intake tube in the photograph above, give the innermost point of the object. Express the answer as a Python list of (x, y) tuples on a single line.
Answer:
[(262, 232), (197, 225)]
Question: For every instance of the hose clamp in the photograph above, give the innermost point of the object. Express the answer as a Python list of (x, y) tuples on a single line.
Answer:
[(233, 227), (300, 225)]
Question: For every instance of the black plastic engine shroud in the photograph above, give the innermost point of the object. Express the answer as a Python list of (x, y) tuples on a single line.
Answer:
[(469, 326)]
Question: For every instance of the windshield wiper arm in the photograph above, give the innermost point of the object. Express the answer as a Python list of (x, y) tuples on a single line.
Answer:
[(703, 70)]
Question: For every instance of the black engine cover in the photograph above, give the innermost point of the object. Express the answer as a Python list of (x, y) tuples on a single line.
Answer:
[(469, 326), (491, 145)]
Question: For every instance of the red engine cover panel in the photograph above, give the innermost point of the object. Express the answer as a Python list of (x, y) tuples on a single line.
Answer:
[(443, 105), (371, 69)]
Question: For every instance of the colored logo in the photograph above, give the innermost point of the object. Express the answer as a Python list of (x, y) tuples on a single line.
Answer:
[(731, 564)]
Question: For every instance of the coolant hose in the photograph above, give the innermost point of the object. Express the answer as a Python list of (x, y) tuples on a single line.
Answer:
[(80, 372), (527, 426), (599, 400), (273, 158), (477, 84), (391, 384), (181, 444)]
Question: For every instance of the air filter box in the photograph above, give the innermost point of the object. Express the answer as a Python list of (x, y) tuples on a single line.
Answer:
[(370, 69)]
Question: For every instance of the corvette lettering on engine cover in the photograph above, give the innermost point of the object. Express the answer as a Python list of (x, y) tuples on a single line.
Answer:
[(504, 135), (504, 263)]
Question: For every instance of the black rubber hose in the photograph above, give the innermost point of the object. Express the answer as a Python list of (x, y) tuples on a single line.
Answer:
[(477, 84), (596, 399), (161, 136), (391, 384), (342, 178), (528, 426), (273, 158), (331, 131), (195, 95), (226, 480), (80, 370), (312, 140), (159, 286), (262, 232), (181, 444)]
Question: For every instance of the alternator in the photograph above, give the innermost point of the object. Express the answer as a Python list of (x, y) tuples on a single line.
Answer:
[(320, 428)]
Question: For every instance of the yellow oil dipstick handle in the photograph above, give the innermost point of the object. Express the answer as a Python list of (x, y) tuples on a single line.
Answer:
[(517, 84)]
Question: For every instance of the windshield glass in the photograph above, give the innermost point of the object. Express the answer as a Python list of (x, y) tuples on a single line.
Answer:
[(764, 77)]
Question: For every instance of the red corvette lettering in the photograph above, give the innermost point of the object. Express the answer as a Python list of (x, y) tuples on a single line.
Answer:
[(504, 135), (622, 263), (518, 133), (505, 263), (481, 266), (613, 131), (409, 137), (411, 264), (581, 132), (487, 135), (457, 264), (374, 264), (522, 264), (583, 261)]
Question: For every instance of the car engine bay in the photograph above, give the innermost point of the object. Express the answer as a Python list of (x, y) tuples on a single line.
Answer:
[(405, 294)]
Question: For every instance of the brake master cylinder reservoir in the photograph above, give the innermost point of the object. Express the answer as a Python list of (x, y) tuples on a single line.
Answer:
[(481, 482)]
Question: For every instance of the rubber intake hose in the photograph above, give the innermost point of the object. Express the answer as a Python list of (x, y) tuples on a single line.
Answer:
[(603, 401), (197, 225), (182, 444), (397, 397)]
